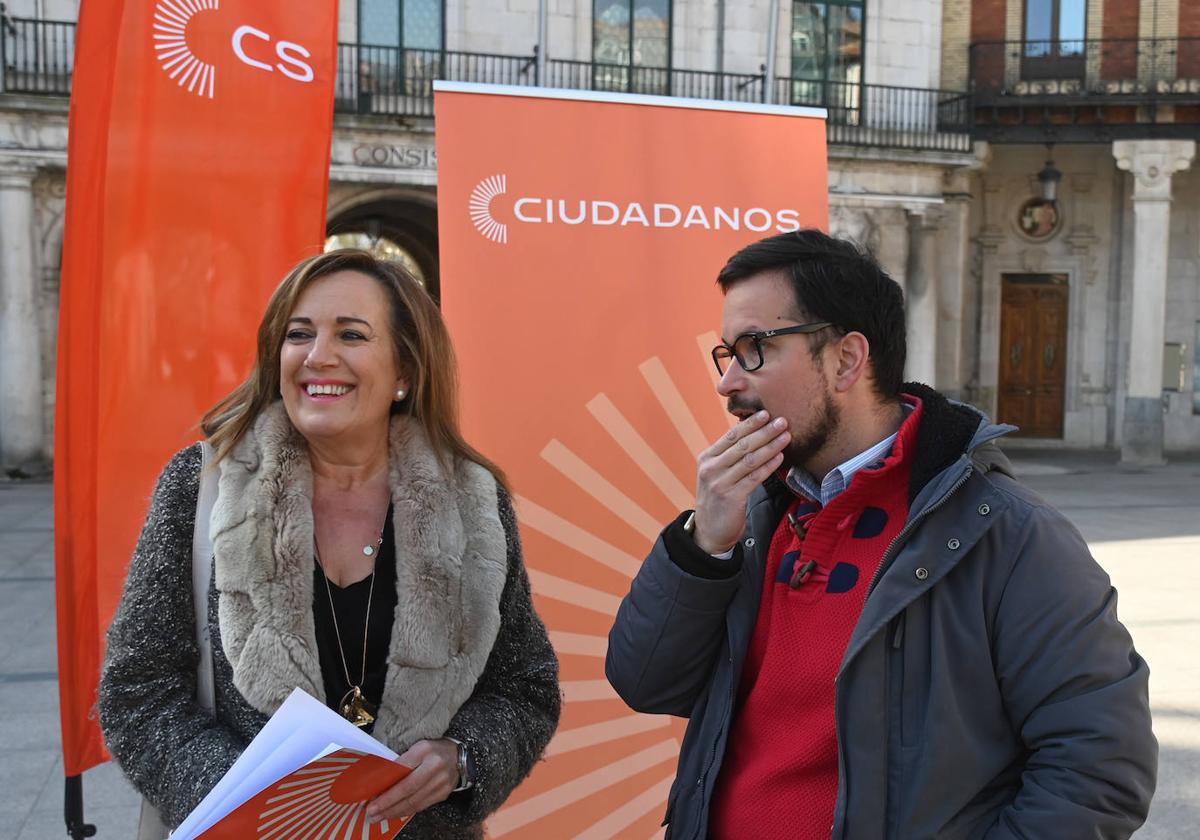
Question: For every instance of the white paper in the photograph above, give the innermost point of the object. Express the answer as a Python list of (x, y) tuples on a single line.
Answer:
[(301, 730)]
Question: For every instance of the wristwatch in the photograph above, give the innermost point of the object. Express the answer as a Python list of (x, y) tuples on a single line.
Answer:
[(465, 765), (689, 525)]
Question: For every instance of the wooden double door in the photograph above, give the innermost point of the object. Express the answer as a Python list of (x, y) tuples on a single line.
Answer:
[(1033, 345)]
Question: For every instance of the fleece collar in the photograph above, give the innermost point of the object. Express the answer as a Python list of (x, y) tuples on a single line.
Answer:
[(949, 430)]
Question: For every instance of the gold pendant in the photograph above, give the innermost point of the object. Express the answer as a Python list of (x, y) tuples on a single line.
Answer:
[(356, 709)]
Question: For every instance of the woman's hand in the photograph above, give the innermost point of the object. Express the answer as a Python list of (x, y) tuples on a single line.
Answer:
[(434, 776)]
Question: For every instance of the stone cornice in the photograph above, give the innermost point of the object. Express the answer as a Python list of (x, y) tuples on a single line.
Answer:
[(32, 159)]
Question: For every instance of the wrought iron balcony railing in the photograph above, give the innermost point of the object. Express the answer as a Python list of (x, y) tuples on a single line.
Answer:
[(38, 55), (399, 82), (661, 81), (1130, 69), (886, 115), (1086, 89)]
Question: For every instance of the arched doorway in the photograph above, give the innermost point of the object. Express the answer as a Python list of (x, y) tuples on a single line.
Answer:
[(400, 227)]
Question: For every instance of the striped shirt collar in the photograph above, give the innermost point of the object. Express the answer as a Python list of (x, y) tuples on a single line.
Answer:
[(838, 479)]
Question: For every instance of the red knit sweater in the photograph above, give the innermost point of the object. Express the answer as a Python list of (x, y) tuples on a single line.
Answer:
[(780, 773)]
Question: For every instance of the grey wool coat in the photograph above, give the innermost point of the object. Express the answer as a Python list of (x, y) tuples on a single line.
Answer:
[(469, 657)]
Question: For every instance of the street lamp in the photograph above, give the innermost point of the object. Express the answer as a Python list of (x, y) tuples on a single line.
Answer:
[(1049, 177)]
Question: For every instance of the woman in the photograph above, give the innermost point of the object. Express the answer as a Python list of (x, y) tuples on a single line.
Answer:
[(362, 550)]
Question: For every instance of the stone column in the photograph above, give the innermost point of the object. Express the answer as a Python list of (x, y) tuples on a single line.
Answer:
[(921, 296), (21, 408), (1152, 163), (953, 270)]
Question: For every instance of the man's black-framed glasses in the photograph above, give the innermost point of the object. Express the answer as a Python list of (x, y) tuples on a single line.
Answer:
[(747, 347)]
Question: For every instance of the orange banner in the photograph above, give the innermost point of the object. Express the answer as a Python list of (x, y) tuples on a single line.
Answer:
[(580, 241), (198, 174)]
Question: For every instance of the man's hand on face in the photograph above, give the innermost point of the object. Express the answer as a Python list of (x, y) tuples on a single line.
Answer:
[(729, 471)]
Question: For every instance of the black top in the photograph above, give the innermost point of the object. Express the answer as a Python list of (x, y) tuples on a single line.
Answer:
[(351, 606)]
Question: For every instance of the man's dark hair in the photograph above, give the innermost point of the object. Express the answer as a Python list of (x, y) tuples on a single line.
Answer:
[(833, 280)]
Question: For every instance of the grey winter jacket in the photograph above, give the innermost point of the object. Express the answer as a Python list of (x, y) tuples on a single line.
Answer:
[(174, 753), (988, 689)]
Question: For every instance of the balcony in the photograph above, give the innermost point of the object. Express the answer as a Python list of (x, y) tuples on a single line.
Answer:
[(37, 58), (1085, 91), (38, 55), (399, 82)]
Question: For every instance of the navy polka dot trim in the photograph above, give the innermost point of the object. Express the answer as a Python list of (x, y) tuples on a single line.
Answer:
[(871, 523), (842, 578), (784, 575)]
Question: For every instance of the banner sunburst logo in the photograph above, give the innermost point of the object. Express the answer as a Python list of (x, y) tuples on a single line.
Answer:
[(171, 19), (604, 753), (481, 208)]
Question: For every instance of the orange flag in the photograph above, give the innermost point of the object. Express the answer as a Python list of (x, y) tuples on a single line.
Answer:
[(198, 174), (580, 239)]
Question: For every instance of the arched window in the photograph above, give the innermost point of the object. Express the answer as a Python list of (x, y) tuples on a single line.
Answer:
[(379, 246), (393, 228)]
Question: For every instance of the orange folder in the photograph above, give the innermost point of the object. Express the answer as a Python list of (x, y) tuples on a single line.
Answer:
[(326, 798)]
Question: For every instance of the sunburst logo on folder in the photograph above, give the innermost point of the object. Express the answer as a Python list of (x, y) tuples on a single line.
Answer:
[(326, 798), (308, 773)]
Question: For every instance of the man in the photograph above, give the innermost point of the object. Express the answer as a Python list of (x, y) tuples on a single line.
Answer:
[(874, 630)]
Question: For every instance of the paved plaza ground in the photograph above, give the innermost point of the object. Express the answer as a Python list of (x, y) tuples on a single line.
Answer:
[(1143, 526)]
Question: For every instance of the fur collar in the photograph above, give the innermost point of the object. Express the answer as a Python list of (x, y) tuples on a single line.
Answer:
[(451, 564)]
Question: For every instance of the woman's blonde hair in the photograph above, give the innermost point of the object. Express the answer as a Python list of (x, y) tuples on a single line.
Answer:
[(423, 351)]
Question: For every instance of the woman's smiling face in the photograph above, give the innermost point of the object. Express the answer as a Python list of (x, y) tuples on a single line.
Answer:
[(338, 367)]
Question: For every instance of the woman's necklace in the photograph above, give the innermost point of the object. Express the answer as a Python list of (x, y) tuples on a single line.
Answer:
[(353, 705)]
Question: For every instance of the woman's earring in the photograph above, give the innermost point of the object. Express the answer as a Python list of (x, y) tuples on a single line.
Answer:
[(400, 394)]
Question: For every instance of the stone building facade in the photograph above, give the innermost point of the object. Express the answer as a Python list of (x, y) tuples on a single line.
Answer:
[(1088, 328), (940, 112)]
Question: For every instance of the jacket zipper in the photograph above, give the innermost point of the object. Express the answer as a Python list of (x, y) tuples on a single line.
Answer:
[(712, 756), (907, 529), (911, 526), (883, 564)]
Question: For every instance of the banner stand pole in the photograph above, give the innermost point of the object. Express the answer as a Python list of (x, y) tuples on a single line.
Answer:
[(73, 809)]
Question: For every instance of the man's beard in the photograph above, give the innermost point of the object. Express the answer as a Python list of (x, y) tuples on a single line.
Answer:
[(824, 424)]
